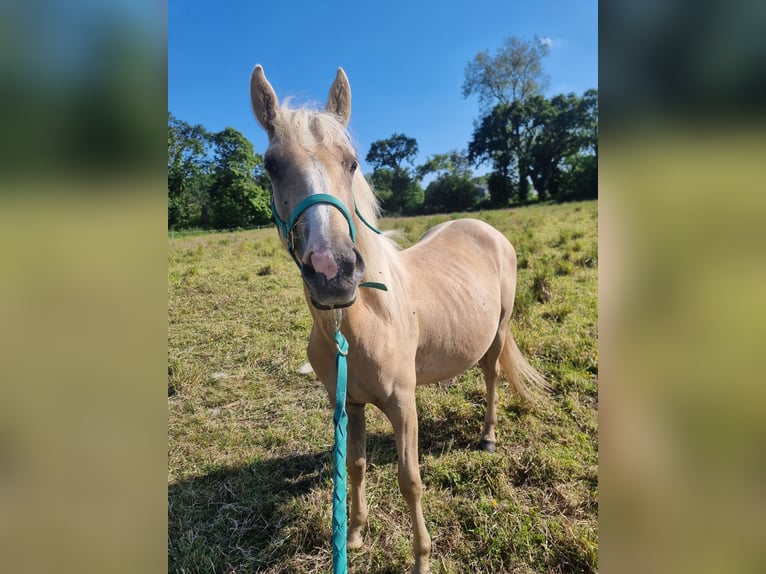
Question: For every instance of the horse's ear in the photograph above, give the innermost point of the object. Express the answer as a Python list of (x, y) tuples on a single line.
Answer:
[(265, 103), (339, 100)]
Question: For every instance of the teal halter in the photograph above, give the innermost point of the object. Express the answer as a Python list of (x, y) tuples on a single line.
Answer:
[(286, 228)]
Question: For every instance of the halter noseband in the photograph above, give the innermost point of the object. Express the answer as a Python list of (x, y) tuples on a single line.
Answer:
[(286, 228)]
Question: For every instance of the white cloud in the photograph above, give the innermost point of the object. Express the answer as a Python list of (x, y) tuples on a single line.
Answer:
[(547, 42)]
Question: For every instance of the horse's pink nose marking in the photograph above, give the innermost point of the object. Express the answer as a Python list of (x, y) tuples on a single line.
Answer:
[(323, 262)]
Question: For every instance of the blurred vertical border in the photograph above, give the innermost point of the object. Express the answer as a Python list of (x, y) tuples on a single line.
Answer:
[(83, 286), (682, 184)]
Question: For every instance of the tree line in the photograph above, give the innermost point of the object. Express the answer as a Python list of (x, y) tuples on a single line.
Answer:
[(538, 148), (215, 180)]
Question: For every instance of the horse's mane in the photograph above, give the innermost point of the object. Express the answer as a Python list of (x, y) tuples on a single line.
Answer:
[(380, 252), (308, 127)]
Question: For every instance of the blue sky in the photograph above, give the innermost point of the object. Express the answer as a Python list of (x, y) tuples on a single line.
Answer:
[(405, 60)]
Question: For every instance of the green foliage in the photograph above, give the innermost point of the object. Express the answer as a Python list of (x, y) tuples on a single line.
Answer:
[(505, 137), (538, 140), (215, 180), (568, 139), (187, 148), (451, 163), (453, 189), (515, 73), (392, 153), (524, 136), (395, 183), (398, 191), (500, 189), (236, 200), (581, 179), (555, 141), (450, 193)]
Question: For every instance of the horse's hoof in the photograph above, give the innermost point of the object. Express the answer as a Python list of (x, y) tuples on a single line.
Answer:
[(354, 541), (487, 445)]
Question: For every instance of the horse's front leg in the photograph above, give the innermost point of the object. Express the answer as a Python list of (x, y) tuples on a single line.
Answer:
[(356, 463), (404, 419)]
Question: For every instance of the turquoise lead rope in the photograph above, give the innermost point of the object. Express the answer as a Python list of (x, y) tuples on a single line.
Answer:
[(340, 420)]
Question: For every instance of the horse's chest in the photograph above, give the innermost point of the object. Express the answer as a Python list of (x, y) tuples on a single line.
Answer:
[(370, 377)]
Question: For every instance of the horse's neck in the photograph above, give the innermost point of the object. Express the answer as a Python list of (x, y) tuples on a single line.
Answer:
[(387, 280), (328, 323)]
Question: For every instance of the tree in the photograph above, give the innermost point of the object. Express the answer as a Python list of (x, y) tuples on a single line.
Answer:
[(214, 179), (559, 138), (393, 180), (589, 123), (500, 189), (392, 152), (581, 177), (398, 191), (187, 172), (580, 180), (453, 163), (452, 189), (505, 137), (567, 147), (515, 73), (450, 193), (509, 86), (238, 197)]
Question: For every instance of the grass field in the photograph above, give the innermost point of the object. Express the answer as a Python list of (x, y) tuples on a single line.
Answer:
[(250, 470)]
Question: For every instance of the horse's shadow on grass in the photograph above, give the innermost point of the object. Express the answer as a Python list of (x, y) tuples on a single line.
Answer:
[(251, 517), (435, 438), (240, 518)]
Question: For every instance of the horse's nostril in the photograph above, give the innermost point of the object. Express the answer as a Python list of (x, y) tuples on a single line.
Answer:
[(307, 271), (359, 261)]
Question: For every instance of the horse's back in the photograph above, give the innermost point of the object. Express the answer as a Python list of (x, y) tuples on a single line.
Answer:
[(461, 239)]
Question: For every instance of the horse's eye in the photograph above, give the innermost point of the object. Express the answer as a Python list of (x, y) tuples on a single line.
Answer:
[(270, 166), (352, 168)]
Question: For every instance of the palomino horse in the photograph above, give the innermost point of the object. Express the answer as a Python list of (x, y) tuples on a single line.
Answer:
[(447, 305)]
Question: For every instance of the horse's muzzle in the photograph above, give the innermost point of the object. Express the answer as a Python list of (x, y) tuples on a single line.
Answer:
[(339, 290)]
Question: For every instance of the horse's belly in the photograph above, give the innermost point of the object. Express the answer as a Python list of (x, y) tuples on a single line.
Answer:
[(463, 273), (441, 368), (456, 346)]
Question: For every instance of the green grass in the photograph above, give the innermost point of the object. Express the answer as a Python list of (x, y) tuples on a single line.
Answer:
[(250, 471)]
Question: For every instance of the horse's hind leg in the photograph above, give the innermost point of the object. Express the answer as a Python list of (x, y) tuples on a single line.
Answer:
[(356, 464), (491, 367)]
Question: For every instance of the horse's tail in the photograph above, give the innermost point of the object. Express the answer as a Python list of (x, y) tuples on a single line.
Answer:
[(522, 376)]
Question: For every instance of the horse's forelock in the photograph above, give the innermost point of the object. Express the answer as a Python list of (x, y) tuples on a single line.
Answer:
[(309, 127)]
